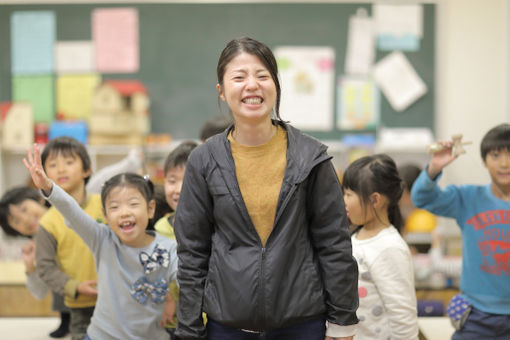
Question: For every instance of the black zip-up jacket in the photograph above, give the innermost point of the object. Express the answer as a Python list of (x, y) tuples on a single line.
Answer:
[(306, 269)]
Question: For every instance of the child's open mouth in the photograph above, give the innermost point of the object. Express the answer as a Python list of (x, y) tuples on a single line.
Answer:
[(127, 226)]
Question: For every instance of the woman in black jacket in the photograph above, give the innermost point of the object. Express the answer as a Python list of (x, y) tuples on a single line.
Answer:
[(264, 247)]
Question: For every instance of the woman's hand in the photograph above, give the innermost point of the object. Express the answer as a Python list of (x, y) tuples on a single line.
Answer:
[(34, 166), (341, 338)]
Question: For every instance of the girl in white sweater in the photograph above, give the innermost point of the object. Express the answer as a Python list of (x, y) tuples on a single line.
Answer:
[(387, 299)]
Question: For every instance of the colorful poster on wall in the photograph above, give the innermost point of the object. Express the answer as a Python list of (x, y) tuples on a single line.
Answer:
[(307, 81), (38, 91), (74, 56), (32, 42), (115, 35), (358, 104), (74, 95)]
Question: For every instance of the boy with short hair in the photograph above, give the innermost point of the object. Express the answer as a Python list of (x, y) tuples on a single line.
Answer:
[(174, 169), (483, 214), (67, 163)]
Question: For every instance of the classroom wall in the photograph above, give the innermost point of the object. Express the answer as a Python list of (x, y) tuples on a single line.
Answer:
[(472, 77)]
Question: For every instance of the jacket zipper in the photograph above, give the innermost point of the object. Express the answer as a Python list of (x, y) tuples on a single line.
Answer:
[(262, 290)]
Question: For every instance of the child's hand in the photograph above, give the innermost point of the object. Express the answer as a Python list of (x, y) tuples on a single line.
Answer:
[(34, 166), (87, 288), (436, 238), (169, 311), (440, 159), (28, 255)]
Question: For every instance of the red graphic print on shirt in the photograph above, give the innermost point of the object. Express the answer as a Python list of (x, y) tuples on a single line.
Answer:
[(493, 228)]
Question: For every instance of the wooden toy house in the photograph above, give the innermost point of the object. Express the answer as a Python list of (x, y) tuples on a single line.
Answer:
[(120, 113), (17, 124)]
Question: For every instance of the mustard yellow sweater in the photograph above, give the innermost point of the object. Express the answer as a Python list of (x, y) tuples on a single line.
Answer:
[(259, 172)]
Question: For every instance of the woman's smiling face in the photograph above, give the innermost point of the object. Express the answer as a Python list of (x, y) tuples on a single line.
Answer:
[(248, 88)]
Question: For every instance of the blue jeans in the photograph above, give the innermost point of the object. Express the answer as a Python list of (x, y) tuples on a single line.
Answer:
[(481, 325), (86, 337), (310, 330)]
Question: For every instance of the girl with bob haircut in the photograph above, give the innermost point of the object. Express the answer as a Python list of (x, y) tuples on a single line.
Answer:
[(134, 266)]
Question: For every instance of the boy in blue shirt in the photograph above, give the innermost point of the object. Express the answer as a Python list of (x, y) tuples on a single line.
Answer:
[(483, 214)]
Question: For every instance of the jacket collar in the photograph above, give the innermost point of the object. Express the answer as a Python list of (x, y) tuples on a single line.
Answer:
[(303, 153)]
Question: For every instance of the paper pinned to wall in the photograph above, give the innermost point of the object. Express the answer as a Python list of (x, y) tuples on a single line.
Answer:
[(38, 91), (32, 38), (115, 35), (74, 95), (307, 81), (360, 54), (358, 103), (399, 81), (398, 20), (398, 27), (74, 56)]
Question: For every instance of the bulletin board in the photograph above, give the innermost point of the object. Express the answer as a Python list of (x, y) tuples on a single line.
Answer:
[(180, 45)]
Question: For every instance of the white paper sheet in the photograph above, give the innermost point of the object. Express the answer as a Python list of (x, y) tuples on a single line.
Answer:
[(398, 80), (307, 81), (398, 20), (360, 54), (74, 56)]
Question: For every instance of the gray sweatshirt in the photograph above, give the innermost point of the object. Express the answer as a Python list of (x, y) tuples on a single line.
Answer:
[(132, 282)]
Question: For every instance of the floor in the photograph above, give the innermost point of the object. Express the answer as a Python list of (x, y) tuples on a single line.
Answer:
[(434, 328), (28, 328)]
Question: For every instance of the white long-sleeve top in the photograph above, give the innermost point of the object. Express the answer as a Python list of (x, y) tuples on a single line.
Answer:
[(387, 304)]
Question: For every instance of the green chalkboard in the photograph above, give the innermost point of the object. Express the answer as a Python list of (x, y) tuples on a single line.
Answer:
[(180, 45)]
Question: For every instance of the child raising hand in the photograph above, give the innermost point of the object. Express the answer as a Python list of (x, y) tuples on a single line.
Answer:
[(134, 266)]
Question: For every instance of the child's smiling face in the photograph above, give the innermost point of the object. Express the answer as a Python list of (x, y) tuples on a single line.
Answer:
[(66, 170), (173, 184), (128, 213), (24, 216), (498, 165)]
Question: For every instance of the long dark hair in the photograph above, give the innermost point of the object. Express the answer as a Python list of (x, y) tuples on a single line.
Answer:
[(376, 173), (258, 49)]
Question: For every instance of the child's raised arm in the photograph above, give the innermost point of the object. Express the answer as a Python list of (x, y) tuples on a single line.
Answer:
[(441, 158), (78, 219), (34, 166)]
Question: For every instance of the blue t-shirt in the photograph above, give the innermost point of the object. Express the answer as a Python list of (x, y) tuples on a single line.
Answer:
[(484, 221)]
